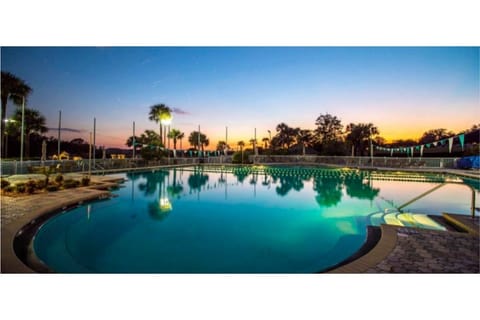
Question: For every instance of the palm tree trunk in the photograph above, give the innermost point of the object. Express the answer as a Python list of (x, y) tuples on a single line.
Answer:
[(303, 148), (161, 136)]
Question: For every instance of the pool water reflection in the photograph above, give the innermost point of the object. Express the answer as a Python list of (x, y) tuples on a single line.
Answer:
[(238, 220)]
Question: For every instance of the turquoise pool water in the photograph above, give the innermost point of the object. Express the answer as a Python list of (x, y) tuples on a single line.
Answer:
[(238, 220)]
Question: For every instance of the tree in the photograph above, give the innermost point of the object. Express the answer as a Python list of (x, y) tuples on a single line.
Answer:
[(180, 137), (159, 113), (435, 135), (253, 142), (15, 90), (138, 142), (34, 123), (151, 145), (175, 135), (286, 135), (359, 134), (305, 138), (193, 139), (265, 142), (221, 146), (241, 144), (329, 128)]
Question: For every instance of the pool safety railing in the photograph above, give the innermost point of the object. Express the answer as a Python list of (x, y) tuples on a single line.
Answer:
[(359, 162)]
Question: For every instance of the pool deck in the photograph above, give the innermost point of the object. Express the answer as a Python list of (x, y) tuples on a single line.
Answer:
[(16, 212), (399, 250), (413, 250)]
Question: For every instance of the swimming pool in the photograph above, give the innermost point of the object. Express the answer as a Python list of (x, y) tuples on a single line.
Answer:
[(240, 219)]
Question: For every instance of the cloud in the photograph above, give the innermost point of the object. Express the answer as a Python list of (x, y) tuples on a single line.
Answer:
[(66, 129), (179, 111)]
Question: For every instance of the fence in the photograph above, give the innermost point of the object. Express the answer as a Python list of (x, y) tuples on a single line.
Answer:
[(384, 162), (102, 165)]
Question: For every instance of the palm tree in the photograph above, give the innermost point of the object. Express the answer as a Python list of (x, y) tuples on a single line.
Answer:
[(304, 137), (358, 135), (180, 137), (138, 142), (193, 139), (265, 142), (15, 90), (221, 145), (159, 113), (241, 144), (34, 123), (286, 135), (175, 134), (253, 142)]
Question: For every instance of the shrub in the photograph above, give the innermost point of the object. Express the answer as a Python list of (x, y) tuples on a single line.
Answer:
[(20, 187), (69, 184), (30, 186), (85, 181), (4, 183), (59, 179), (40, 184), (237, 157), (9, 189), (52, 187)]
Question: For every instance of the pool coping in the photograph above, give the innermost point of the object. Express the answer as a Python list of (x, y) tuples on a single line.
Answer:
[(10, 262), (384, 247)]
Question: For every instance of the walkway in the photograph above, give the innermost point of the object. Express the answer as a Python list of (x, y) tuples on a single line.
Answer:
[(412, 250), (19, 211)]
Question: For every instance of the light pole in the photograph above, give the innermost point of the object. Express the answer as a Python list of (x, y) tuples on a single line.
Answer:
[(371, 147), (22, 133), (166, 121)]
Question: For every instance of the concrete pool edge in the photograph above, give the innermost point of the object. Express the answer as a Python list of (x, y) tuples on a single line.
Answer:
[(10, 262), (380, 251)]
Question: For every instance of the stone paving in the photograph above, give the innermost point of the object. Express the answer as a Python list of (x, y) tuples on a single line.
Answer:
[(16, 212), (429, 251)]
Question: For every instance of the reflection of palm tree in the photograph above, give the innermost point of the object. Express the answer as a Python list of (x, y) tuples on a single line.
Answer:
[(175, 189), (197, 180), (154, 180), (329, 191), (240, 174)]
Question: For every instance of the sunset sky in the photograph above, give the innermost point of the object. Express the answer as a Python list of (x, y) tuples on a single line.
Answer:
[(403, 91)]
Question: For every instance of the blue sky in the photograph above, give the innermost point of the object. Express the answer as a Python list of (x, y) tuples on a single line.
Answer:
[(404, 91)]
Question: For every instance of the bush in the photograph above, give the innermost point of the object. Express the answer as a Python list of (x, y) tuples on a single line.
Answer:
[(237, 157), (52, 187), (9, 189), (4, 183), (59, 179), (85, 181), (20, 187), (69, 184), (30, 186), (40, 184)]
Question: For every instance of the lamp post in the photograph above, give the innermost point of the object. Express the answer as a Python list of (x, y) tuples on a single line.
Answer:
[(371, 148), (166, 121), (22, 133)]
